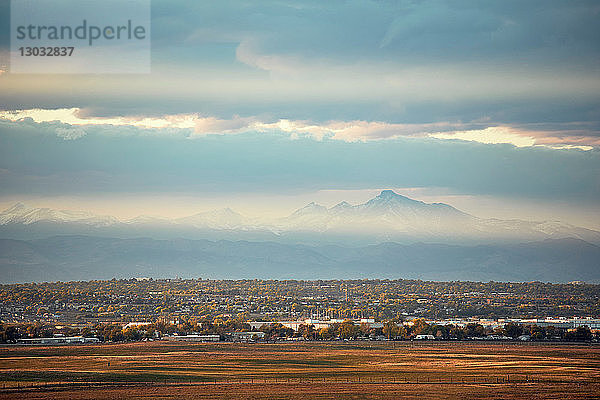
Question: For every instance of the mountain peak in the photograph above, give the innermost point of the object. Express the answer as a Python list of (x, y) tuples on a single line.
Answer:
[(217, 219), (21, 214), (343, 204), (219, 212), (17, 207), (310, 208), (391, 195), (388, 193), (391, 203)]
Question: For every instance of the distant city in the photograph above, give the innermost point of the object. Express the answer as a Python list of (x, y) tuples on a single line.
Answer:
[(209, 310)]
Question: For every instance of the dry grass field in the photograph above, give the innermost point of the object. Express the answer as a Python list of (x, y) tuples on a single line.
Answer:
[(352, 370)]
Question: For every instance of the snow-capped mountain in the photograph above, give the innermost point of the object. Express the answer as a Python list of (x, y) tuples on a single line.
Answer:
[(312, 216), (21, 214), (393, 217), (149, 220), (388, 212), (386, 217), (224, 218)]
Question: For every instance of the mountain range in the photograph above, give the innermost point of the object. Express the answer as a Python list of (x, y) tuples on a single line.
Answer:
[(387, 217), (69, 258)]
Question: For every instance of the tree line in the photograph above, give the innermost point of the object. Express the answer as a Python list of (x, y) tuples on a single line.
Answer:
[(347, 330)]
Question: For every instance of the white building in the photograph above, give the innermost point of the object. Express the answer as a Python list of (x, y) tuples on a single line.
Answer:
[(59, 340), (424, 337), (194, 338), (318, 324), (245, 336)]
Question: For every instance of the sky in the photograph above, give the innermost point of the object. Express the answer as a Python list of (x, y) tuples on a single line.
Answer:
[(493, 107)]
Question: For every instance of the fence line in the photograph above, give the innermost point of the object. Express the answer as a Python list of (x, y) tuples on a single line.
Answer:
[(525, 379)]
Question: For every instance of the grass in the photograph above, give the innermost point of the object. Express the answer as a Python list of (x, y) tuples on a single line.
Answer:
[(561, 370)]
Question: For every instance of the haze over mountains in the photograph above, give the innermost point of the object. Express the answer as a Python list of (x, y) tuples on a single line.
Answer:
[(85, 257), (387, 217), (389, 236)]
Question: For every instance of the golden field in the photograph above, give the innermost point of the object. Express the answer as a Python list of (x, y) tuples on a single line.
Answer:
[(301, 370)]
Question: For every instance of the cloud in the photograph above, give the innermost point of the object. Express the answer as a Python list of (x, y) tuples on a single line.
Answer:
[(248, 54), (491, 135), (74, 116), (351, 131), (124, 159), (524, 138), (569, 137), (222, 126), (571, 146), (395, 62)]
